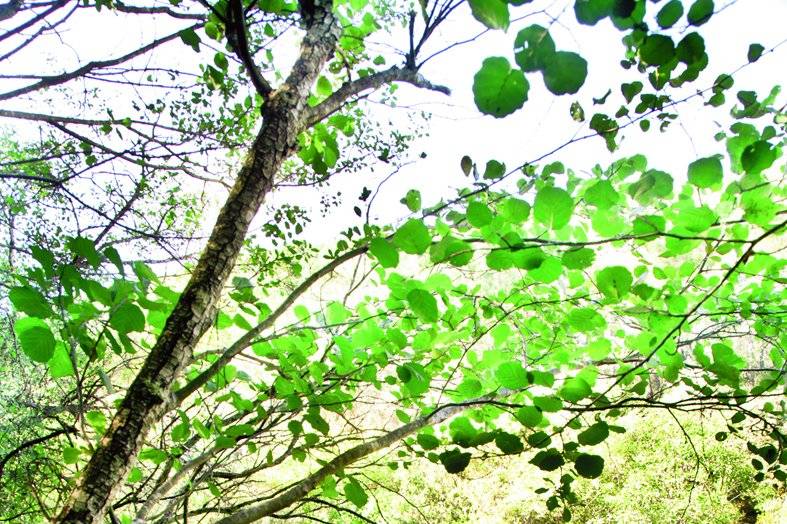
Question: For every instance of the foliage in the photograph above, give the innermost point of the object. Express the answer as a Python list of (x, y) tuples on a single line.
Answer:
[(652, 476), (525, 314)]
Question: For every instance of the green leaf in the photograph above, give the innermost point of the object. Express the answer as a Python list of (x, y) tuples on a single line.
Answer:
[(657, 50), (755, 52), (670, 14), (190, 38), (700, 12), (134, 476), (36, 338), (413, 200), (70, 455), (452, 250), (533, 48), (97, 420), (317, 422), (652, 184), (706, 172), (514, 210), (385, 253), (565, 73), (553, 207), (511, 375), (586, 319), (423, 305), (479, 214), (323, 87), (589, 466), (113, 256), (602, 195), (491, 13), (575, 389), (508, 443), (413, 237), (239, 430), (85, 248), (759, 207), (614, 282), (454, 461), (427, 441), (595, 434), (529, 416), (629, 91), (355, 493), (758, 157), (548, 459), (494, 170), (60, 363), (30, 301), (549, 404), (648, 224), (694, 219), (590, 12), (127, 318), (580, 258), (498, 89), (548, 270)]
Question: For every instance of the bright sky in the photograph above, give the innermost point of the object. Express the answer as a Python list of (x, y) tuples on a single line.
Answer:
[(457, 128)]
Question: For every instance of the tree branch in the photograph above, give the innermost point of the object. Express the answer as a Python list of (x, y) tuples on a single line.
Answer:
[(49, 81), (248, 338), (349, 89), (30, 443), (236, 34), (302, 489)]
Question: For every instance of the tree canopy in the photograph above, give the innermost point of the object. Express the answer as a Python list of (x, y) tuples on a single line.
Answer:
[(162, 369)]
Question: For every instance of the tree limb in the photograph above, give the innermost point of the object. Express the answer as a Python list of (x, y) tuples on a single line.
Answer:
[(49, 81), (304, 487), (236, 34), (349, 89)]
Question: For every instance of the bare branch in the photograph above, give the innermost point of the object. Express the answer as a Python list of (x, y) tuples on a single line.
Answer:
[(395, 74), (49, 81), (236, 34)]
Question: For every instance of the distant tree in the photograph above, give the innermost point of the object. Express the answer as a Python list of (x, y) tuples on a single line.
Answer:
[(535, 306)]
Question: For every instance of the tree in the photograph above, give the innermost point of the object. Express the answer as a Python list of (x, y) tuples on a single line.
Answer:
[(523, 324)]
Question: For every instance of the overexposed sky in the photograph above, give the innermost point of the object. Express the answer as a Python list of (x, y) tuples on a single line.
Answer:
[(456, 127)]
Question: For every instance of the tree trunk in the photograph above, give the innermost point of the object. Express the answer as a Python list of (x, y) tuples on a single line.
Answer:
[(150, 395)]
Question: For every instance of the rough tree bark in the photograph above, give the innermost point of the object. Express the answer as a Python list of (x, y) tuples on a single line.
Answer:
[(285, 115), (150, 395)]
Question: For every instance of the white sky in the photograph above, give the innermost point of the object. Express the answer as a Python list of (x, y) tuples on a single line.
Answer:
[(457, 128)]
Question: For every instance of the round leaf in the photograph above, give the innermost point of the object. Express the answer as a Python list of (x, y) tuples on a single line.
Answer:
[(423, 304), (511, 375), (706, 172), (700, 12), (413, 237), (614, 282), (498, 89), (127, 318), (553, 207), (595, 434), (384, 252), (533, 48), (657, 50), (602, 195), (491, 13), (579, 258), (29, 301), (589, 466), (454, 461), (36, 338), (565, 73), (670, 14)]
